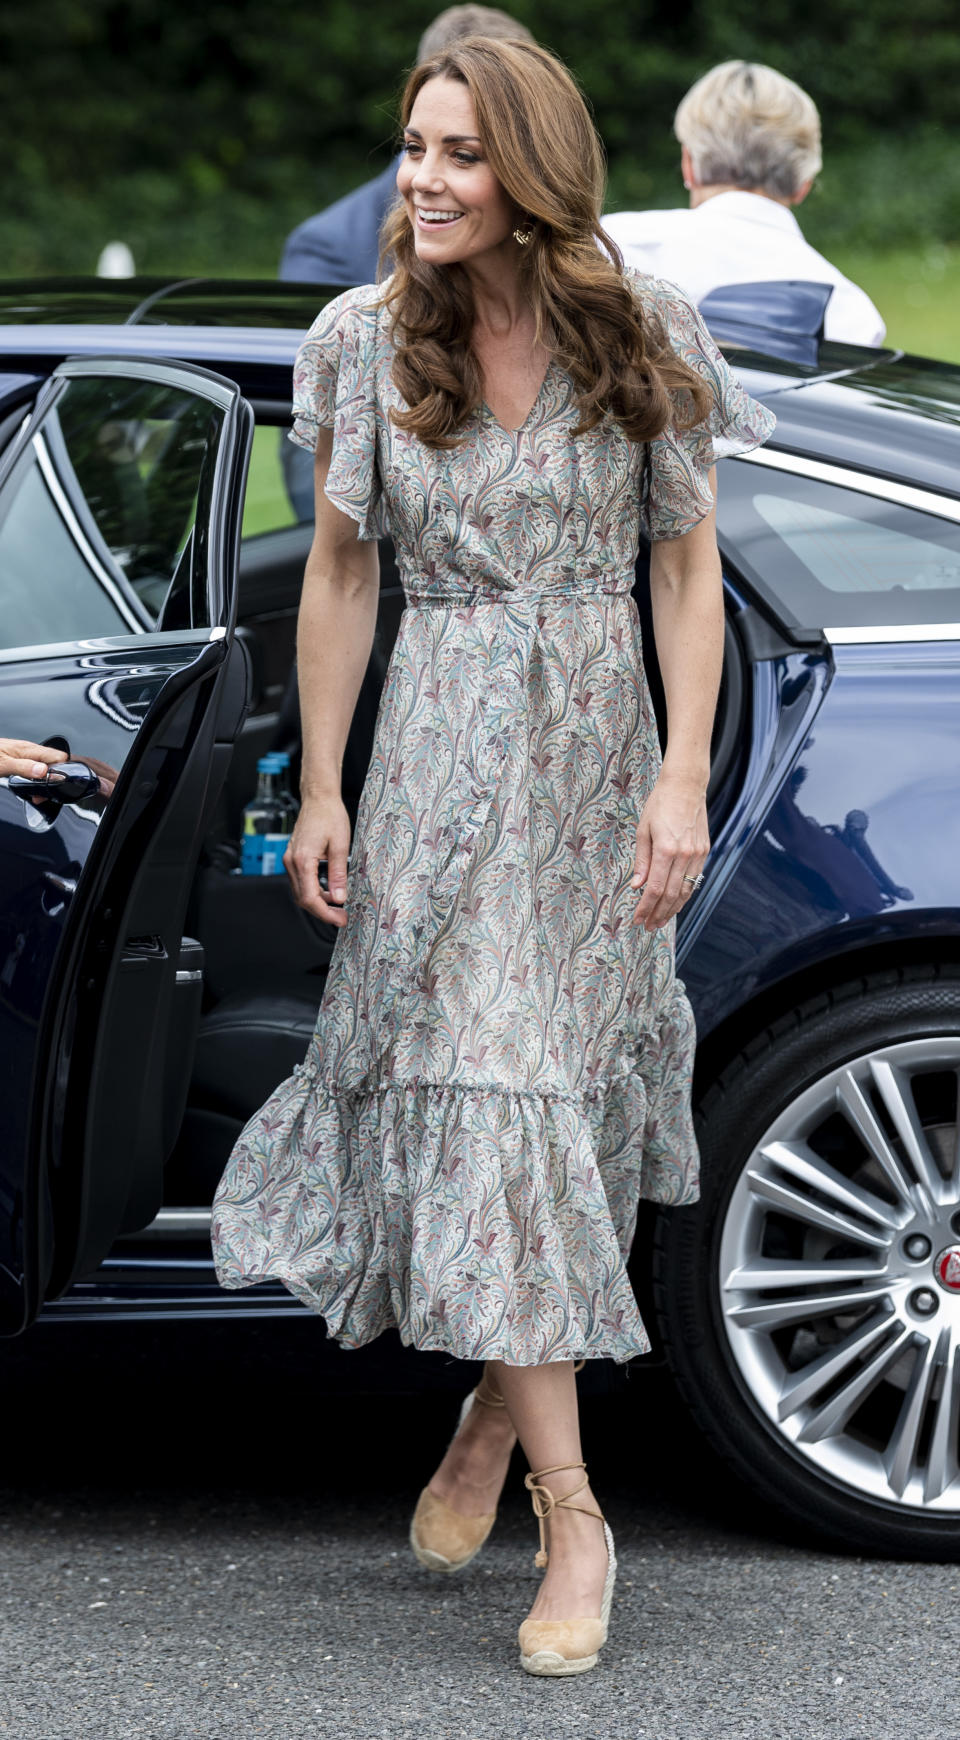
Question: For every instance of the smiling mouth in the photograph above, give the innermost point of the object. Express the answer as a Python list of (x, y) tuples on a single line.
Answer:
[(436, 220)]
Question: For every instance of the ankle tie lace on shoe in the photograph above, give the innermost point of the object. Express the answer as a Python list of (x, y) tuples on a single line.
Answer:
[(546, 1502), (486, 1394)]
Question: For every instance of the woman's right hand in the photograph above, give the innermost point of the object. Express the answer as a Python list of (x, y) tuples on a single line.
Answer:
[(30, 760), (322, 832)]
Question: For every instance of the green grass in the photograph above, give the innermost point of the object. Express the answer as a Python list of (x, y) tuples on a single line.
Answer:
[(266, 506), (917, 293)]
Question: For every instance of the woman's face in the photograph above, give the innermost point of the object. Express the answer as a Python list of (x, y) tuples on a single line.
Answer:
[(456, 206)]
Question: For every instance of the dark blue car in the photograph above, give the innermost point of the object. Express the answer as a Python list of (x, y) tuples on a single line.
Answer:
[(151, 998)]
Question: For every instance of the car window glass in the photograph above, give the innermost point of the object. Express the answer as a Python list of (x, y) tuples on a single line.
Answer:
[(103, 519), (48, 591), (279, 484), (850, 555), (830, 557)]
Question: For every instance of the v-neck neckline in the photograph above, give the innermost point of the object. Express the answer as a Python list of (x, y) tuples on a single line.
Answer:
[(518, 430)]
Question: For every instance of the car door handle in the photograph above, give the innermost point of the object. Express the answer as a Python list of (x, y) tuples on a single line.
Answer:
[(66, 783)]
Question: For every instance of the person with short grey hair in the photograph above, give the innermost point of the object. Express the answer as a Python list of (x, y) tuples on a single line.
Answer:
[(750, 151), (748, 127), (458, 22)]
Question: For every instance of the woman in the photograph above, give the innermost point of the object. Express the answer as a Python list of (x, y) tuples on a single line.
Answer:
[(502, 1061)]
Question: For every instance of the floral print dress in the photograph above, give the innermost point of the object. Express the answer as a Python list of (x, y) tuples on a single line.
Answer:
[(502, 1061)]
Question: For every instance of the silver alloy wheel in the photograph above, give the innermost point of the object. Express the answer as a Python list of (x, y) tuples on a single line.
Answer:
[(840, 1275)]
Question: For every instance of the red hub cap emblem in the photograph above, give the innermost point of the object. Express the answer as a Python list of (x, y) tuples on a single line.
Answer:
[(948, 1268)]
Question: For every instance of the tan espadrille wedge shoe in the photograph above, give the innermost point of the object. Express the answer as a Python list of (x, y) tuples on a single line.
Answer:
[(442, 1539), (557, 1647)]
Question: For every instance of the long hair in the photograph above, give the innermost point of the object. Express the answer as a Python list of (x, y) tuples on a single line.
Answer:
[(542, 146)]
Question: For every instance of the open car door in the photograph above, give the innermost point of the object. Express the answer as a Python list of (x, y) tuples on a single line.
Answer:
[(120, 505)]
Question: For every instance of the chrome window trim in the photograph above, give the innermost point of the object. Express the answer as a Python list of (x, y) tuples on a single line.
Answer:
[(900, 632), (80, 539), (167, 372), (942, 507)]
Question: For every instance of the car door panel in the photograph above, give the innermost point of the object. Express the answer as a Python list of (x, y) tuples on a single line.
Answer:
[(94, 993), (125, 1009)]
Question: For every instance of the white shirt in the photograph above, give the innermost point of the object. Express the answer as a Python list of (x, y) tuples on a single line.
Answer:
[(740, 238)]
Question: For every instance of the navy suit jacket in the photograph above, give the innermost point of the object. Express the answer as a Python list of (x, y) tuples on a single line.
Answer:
[(340, 245)]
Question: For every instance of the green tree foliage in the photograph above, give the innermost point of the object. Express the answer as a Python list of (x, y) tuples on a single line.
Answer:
[(201, 133)]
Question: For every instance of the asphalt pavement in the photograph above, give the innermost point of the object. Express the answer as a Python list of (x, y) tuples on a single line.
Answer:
[(197, 1540)]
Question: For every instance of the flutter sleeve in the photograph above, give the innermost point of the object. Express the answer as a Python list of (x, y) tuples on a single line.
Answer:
[(335, 387), (677, 491)]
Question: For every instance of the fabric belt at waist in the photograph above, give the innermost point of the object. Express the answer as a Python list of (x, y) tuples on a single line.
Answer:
[(585, 586)]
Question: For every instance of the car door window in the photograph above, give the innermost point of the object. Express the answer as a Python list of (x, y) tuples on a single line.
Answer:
[(99, 515), (831, 557), (850, 555)]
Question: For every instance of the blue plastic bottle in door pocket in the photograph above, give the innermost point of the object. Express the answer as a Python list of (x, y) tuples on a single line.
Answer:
[(268, 820)]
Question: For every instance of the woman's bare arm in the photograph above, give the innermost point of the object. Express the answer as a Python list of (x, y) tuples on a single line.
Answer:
[(687, 598), (335, 628)]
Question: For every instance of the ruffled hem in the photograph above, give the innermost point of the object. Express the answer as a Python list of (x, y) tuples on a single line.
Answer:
[(478, 1220)]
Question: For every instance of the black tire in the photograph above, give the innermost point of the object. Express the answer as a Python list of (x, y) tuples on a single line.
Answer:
[(761, 1083)]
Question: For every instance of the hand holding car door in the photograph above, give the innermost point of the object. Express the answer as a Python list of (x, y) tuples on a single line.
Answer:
[(30, 760), (34, 760)]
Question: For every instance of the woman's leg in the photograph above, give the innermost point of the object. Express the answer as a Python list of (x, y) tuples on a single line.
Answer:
[(473, 1471), (542, 1401)]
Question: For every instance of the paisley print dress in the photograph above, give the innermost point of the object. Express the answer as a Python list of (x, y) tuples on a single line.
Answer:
[(502, 1061)]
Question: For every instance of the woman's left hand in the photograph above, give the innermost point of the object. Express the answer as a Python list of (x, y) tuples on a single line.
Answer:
[(672, 843)]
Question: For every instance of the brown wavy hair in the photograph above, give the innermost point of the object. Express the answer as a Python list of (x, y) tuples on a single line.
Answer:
[(542, 146)]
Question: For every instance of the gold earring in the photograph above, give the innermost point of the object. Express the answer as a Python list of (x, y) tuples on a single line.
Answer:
[(523, 233)]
